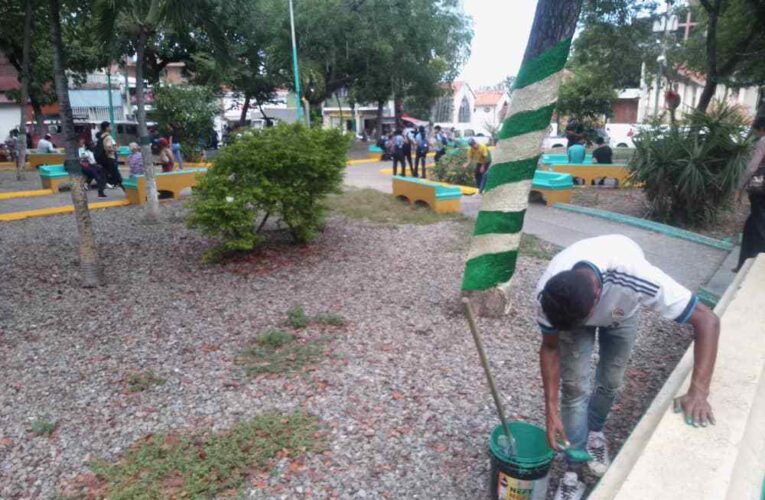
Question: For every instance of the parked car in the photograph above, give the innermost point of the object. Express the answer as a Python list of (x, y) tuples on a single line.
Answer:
[(621, 134)]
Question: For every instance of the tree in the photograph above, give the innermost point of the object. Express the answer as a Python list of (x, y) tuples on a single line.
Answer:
[(185, 112), (144, 21), (87, 247), (586, 96), (21, 157), (494, 247)]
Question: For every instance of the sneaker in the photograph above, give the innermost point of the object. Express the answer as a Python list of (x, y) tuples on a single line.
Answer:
[(109, 186), (570, 487), (597, 446)]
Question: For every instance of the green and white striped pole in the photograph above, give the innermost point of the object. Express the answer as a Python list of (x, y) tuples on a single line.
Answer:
[(494, 247)]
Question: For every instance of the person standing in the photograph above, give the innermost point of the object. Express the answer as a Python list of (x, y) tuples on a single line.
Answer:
[(397, 147), (164, 156), (440, 143), (574, 132), (408, 143), (603, 153), (753, 182), (577, 153), (106, 155), (423, 147), (600, 284), (176, 149), (478, 155), (135, 160)]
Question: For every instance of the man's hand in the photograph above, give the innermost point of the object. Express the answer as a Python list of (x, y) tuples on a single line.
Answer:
[(555, 432), (695, 408)]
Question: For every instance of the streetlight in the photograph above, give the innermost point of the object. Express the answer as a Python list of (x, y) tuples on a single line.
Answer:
[(299, 104), (111, 104)]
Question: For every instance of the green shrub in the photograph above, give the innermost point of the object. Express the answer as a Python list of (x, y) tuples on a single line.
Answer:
[(450, 168), (275, 338), (690, 171), (284, 171), (331, 319), (296, 317), (186, 112), (43, 427)]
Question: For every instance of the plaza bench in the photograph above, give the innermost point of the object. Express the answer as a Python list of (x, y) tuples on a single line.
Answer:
[(375, 152), (554, 187), (167, 182), (589, 172), (36, 160), (52, 176), (439, 197)]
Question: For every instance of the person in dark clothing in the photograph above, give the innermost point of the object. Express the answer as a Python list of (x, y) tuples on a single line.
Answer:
[(440, 143), (90, 169), (396, 146), (423, 147), (408, 143), (574, 132), (603, 153), (753, 181)]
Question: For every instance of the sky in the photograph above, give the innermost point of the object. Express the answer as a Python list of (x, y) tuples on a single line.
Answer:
[(501, 28)]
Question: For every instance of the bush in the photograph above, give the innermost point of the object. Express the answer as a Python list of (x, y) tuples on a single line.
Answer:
[(186, 112), (690, 171), (449, 168), (284, 171)]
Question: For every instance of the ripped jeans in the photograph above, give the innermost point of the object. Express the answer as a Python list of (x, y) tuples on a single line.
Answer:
[(582, 410)]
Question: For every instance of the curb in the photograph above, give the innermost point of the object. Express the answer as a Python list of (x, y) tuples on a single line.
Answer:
[(25, 194), (649, 225), (44, 212)]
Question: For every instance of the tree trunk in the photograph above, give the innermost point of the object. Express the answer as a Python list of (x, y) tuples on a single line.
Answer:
[(379, 132), (494, 247), (398, 109), (245, 110), (152, 202), (88, 251), (340, 107), (21, 143), (710, 86), (38, 117)]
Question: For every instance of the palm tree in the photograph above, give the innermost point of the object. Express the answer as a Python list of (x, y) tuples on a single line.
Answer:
[(21, 154), (88, 251), (496, 237), (141, 20)]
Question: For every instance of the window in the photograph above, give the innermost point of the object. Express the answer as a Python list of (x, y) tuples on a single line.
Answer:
[(442, 111), (464, 116), (486, 109)]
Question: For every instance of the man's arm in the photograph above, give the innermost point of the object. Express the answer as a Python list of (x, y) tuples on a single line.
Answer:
[(549, 360), (694, 405)]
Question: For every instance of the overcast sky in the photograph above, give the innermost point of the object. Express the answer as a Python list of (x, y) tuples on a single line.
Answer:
[(501, 29)]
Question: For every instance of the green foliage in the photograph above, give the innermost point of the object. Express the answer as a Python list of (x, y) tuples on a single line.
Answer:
[(296, 317), (284, 171), (141, 381), (43, 427), (276, 351), (586, 96), (689, 172), (331, 319), (450, 168), (205, 465), (186, 112)]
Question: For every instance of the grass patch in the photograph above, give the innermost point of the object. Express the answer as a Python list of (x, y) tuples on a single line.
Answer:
[(383, 208), (43, 427), (531, 246), (331, 319), (141, 381), (296, 317), (278, 352), (204, 465)]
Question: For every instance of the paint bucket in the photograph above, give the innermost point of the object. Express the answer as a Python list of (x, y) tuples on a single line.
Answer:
[(523, 475)]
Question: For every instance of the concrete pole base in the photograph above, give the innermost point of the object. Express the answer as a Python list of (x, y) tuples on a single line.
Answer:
[(492, 303)]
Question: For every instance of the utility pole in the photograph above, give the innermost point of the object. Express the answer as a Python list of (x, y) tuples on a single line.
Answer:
[(111, 104), (299, 104)]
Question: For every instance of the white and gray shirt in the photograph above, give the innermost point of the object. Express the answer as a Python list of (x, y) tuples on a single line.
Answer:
[(628, 282)]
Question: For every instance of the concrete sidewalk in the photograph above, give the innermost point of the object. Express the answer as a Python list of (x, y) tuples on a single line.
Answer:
[(691, 264)]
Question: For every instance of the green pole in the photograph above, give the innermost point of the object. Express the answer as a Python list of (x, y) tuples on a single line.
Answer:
[(299, 105), (111, 104)]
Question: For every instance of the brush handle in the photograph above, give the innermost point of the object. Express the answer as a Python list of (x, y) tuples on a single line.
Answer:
[(485, 364)]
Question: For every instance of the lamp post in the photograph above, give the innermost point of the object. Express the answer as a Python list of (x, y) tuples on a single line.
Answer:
[(299, 104), (111, 104)]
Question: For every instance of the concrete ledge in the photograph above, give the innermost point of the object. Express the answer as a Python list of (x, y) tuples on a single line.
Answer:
[(25, 194), (67, 209), (666, 459), (650, 225)]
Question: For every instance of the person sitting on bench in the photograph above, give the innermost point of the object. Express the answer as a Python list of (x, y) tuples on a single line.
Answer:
[(603, 153)]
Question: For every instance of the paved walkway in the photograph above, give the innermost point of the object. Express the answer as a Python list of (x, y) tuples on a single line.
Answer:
[(690, 263)]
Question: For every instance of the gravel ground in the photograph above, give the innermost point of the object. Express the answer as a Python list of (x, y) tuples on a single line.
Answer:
[(633, 202), (9, 183), (402, 397)]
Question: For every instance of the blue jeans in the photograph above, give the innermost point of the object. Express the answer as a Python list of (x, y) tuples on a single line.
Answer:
[(581, 410)]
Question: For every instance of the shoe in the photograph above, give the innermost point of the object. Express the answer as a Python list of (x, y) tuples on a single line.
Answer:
[(109, 186), (597, 446), (101, 194), (570, 487)]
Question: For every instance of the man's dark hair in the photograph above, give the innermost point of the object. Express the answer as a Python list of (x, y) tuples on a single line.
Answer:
[(567, 299), (599, 141), (437, 127), (759, 123), (104, 125)]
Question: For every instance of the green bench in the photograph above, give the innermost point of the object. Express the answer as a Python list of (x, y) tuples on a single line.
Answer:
[(554, 187), (52, 176)]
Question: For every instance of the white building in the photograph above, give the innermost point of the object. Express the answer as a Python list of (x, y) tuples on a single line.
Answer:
[(489, 110), (455, 109)]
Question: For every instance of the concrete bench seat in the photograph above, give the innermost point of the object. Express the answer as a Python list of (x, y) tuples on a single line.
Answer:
[(375, 152), (167, 182), (554, 187), (588, 171), (36, 160), (52, 176), (439, 197)]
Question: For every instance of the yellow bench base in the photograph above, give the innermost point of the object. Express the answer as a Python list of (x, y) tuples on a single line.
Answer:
[(593, 172), (173, 183), (553, 196), (420, 193)]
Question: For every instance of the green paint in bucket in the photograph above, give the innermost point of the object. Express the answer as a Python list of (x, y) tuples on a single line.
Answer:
[(522, 476)]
